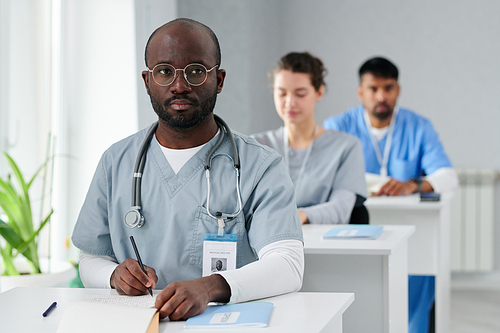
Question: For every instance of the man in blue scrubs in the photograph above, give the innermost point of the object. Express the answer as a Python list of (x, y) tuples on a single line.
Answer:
[(262, 240), (397, 142), (402, 145)]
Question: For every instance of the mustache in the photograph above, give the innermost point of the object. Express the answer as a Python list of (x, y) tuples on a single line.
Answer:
[(191, 100), (383, 104)]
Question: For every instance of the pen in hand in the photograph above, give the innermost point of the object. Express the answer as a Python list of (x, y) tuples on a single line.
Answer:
[(140, 261), (51, 307)]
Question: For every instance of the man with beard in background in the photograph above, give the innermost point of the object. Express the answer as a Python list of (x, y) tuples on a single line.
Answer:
[(398, 144), (404, 149)]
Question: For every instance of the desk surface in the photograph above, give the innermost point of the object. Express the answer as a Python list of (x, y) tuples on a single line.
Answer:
[(406, 202), (21, 310), (391, 238)]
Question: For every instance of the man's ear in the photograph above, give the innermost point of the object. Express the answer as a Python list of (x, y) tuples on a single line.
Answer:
[(221, 76), (359, 90), (145, 77)]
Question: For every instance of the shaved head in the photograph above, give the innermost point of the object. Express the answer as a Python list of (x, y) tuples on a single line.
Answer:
[(188, 24)]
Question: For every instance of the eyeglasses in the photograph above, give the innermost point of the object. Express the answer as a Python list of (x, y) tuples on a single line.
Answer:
[(195, 74)]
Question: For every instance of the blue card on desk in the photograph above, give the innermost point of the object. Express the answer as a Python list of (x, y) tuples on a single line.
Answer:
[(253, 314), (361, 231)]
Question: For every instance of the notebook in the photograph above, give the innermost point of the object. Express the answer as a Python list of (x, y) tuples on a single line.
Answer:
[(360, 231), (240, 315)]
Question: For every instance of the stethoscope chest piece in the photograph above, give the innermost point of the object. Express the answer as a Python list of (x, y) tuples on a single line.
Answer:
[(133, 218)]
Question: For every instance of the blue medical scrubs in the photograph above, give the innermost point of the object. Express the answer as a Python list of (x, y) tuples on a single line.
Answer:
[(415, 151)]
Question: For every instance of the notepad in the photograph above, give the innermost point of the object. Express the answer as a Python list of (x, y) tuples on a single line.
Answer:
[(252, 314), (110, 313), (360, 231)]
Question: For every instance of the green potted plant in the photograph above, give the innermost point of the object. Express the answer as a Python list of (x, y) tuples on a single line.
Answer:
[(18, 230), (19, 235)]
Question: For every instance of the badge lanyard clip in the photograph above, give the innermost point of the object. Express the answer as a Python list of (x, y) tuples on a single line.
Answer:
[(220, 221)]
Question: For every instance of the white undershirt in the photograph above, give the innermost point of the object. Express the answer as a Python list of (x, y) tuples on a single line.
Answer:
[(279, 270), (379, 133), (176, 158)]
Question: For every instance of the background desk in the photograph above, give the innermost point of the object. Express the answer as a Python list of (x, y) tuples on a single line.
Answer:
[(375, 270), (21, 311), (429, 247)]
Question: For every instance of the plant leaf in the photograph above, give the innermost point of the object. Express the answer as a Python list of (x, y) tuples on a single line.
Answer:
[(25, 220), (10, 269), (26, 243), (16, 241)]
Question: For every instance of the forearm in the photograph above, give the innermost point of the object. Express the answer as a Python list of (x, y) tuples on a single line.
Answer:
[(336, 210), (96, 271), (279, 270)]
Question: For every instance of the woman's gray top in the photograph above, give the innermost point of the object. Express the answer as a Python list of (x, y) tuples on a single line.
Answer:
[(335, 163)]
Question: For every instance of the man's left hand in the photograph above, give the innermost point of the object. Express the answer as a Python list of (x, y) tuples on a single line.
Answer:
[(184, 299), (395, 188)]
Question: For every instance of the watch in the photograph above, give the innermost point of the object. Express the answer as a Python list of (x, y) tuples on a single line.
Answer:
[(417, 181)]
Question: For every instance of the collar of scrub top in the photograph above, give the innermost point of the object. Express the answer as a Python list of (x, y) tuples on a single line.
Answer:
[(286, 148), (133, 218), (382, 160)]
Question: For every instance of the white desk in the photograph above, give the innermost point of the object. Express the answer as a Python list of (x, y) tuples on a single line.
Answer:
[(375, 270), (21, 311), (429, 247)]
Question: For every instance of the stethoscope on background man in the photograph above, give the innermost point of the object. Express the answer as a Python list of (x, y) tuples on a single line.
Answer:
[(134, 218)]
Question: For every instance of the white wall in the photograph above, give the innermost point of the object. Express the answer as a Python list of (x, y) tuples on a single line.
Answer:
[(149, 15), (99, 93), (447, 52)]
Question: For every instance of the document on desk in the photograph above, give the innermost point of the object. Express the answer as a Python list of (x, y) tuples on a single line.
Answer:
[(354, 231), (110, 313), (241, 315)]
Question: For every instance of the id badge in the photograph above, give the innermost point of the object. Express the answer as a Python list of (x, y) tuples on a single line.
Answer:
[(219, 253)]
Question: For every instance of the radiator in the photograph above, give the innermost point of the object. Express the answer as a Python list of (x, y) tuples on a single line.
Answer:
[(472, 219)]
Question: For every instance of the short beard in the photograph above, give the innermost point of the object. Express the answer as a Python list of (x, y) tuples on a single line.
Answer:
[(182, 121), (382, 115)]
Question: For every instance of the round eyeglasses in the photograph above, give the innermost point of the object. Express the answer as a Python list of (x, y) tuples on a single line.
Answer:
[(195, 74)]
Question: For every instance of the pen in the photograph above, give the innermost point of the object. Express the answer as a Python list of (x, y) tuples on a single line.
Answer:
[(140, 261), (52, 306)]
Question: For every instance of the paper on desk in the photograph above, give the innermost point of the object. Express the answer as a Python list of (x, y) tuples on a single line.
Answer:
[(374, 182), (144, 301), (98, 317)]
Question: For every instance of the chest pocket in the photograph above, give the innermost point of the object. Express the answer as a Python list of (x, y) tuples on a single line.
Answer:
[(404, 169), (203, 223)]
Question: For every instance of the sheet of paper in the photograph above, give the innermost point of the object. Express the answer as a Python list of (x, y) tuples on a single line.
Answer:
[(144, 301), (98, 317)]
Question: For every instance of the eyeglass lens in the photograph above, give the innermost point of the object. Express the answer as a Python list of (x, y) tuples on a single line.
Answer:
[(195, 74)]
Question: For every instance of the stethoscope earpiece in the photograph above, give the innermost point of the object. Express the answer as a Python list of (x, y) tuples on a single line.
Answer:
[(134, 218)]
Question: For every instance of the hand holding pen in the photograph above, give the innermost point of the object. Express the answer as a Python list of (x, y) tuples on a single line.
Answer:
[(129, 278), (140, 261)]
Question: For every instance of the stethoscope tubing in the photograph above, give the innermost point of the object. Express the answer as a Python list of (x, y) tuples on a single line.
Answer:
[(141, 162)]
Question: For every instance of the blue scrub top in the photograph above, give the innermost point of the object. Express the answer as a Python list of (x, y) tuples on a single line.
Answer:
[(174, 206), (415, 149)]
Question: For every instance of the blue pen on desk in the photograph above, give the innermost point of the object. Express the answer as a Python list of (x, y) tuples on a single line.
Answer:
[(140, 261), (51, 307)]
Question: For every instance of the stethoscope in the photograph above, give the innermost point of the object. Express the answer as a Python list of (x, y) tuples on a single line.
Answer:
[(134, 218)]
